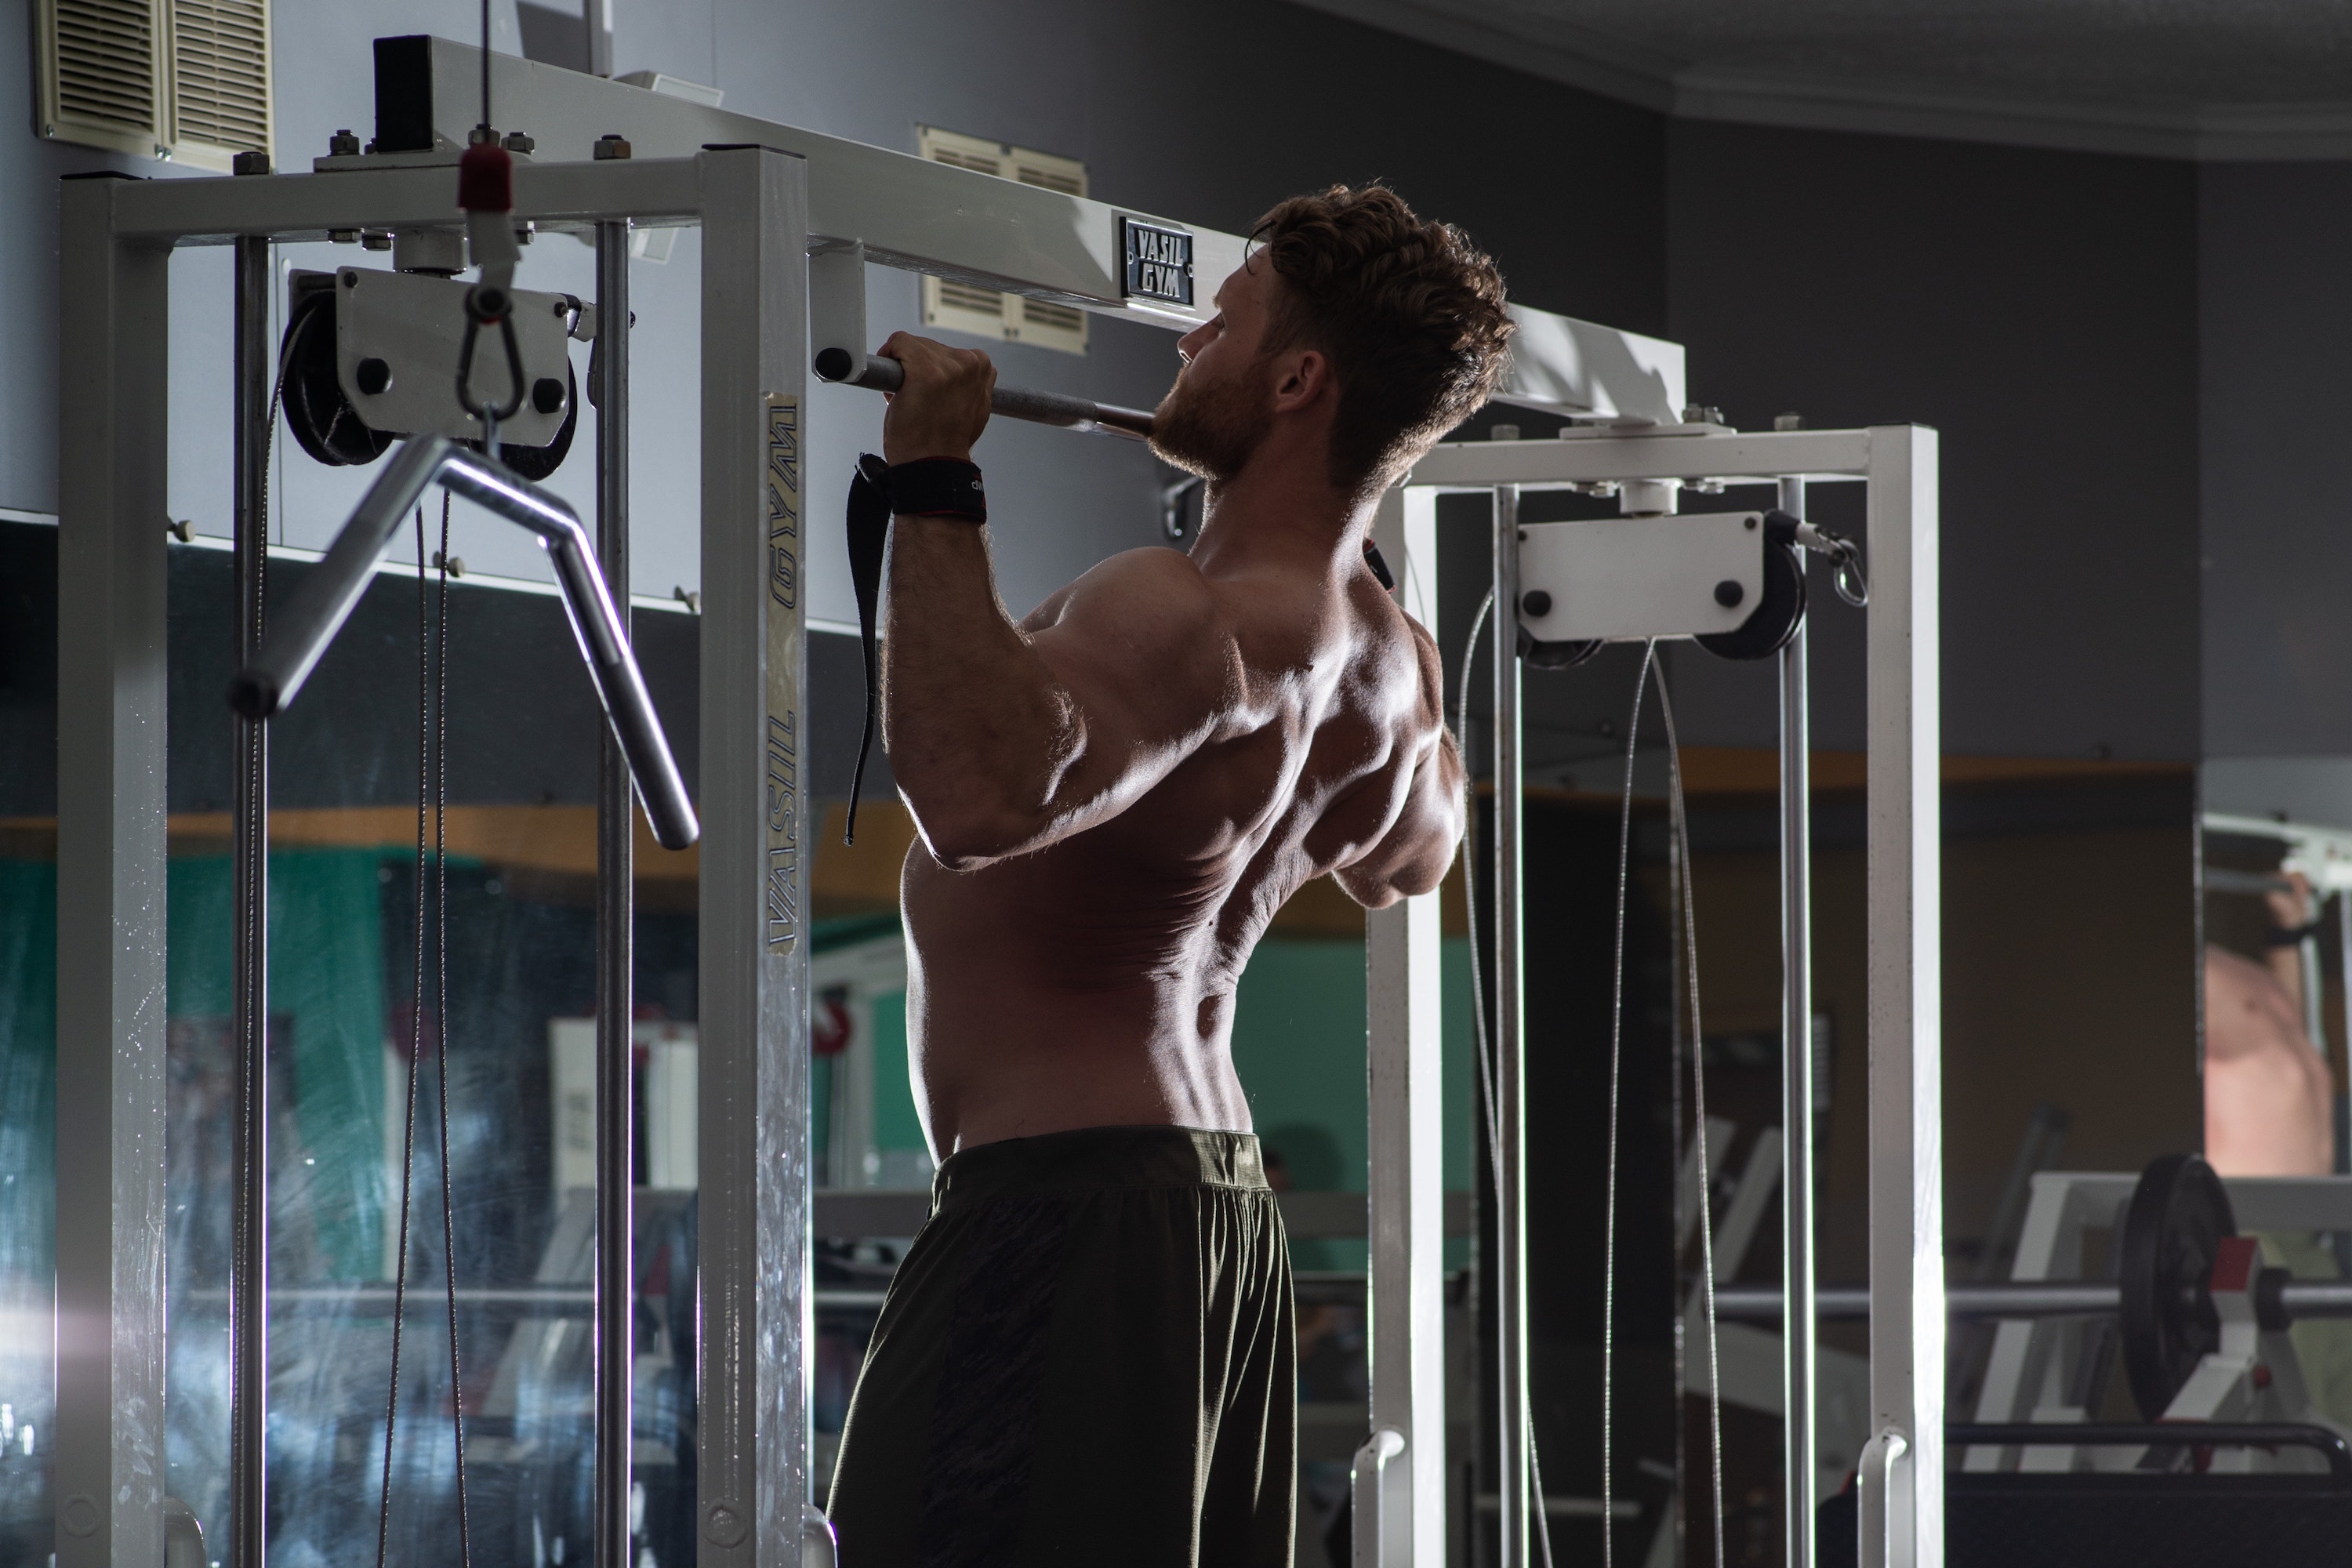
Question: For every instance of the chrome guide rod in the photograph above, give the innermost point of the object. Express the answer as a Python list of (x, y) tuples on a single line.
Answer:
[(1798, 1481), (251, 369), (880, 374), (298, 637), (615, 950), (1510, 1272)]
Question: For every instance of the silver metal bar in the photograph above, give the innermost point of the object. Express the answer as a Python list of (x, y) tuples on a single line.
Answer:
[(1510, 1269), (880, 374), (251, 366), (755, 1175), (1903, 1468), (298, 637), (1403, 1212), (2301, 1299), (1369, 1544), (113, 317), (1798, 1479), (1757, 457), (615, 912)]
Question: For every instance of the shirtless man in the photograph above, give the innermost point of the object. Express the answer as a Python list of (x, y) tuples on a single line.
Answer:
[(1088, 1355)]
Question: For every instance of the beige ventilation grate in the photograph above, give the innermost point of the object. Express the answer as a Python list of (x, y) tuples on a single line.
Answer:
[(959, 307), (220, 75), (183, 79)]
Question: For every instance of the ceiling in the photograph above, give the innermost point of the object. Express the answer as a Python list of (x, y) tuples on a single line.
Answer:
[(2201, 79)]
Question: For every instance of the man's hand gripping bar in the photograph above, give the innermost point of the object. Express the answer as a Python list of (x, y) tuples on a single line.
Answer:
[(882, 374)]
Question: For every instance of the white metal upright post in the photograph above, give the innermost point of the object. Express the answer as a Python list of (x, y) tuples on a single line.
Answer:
[(1902, 1471), (754, 1201), (1797, 1446), (108, 1478), (1510, 1271), (1406, 1168)]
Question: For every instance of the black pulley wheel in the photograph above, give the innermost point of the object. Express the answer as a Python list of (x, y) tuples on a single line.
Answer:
[(535, 463), (1555, 655), (2173, 1231), (325, 423), (1775, 621)]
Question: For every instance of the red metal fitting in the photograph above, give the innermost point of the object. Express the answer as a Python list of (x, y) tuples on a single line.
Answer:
[(486, 179)]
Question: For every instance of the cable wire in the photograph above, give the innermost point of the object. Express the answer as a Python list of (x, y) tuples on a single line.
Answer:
[(1488, 1109), (1678, 814), (1616, 1064)]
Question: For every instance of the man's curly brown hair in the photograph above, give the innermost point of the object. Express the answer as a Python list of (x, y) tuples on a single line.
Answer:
[(1411, 314)]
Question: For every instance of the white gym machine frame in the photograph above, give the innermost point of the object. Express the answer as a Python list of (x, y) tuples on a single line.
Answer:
[(789, 222), (1902, 1467), (789, 216)]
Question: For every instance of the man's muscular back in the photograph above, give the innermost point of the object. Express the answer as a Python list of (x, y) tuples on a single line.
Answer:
[(1091, 982)]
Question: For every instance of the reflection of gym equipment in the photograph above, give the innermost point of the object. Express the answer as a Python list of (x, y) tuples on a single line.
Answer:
[(790, 220)]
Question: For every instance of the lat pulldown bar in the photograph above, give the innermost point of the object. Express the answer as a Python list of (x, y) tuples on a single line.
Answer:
[(299, 637), (882, 374)]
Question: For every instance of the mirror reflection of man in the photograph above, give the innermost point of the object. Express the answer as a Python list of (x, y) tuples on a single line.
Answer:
[(1088, 1355)]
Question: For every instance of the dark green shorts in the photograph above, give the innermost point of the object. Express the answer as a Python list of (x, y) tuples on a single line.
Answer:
[(1087, 1357)]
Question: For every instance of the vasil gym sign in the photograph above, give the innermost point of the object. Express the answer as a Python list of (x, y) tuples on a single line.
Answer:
[(1159, 262)]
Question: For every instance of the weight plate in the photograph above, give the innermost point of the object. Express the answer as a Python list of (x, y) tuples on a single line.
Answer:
[(325, 423), (1775, 621), (2179, 1217)]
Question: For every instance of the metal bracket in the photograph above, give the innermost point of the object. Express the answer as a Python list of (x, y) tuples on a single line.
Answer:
[(1675, 577)]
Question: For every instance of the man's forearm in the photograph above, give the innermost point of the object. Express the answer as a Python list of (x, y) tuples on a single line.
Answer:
[(975, 725)]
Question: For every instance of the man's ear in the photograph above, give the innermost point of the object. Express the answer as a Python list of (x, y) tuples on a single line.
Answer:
[(1301, 376)]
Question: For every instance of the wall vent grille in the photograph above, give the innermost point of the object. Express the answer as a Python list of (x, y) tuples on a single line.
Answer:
[(959, 307), (187, 81)]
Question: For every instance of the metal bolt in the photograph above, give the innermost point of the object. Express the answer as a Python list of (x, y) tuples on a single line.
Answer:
[(1788, 422), (1503, 432), (690, 598), (373, 376), (455, 564), (376, 240), (516, 142), (249, 163), (612, 144), (1536, 603), (547, 395), (1728, 594), (185, 529), (343, 144), (344, 236), (350, 277), (1749, 523)]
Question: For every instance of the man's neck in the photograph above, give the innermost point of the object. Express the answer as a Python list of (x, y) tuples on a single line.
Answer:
[(1280, 507)]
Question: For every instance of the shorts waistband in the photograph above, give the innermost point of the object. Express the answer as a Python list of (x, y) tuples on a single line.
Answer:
[(1092, 1159)]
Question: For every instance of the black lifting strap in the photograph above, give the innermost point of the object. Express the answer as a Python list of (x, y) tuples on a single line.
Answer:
[(870, 536)]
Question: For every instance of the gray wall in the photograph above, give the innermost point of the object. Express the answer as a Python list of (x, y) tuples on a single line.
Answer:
[(2275, 332)]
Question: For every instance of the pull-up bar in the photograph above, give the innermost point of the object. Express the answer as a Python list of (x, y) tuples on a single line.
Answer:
[(881, 374), (299, 637)]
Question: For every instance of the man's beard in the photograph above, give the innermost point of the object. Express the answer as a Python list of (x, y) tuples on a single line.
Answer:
[(1212, 429)]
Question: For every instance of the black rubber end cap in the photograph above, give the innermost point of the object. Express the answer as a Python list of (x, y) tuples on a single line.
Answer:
[(253, 694), (833, 364)]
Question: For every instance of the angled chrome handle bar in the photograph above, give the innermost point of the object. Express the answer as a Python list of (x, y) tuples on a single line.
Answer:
[(880, 374), (298, 634)]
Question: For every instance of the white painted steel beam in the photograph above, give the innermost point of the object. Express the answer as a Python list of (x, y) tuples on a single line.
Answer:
[(108, 1484), (1406, 1144), (1762, 457), (1903, 1471), (755, 1174)]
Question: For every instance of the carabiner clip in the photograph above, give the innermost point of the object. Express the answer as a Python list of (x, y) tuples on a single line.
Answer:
[(487, 302)]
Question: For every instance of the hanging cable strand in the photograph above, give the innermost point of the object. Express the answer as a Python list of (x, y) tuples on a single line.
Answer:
[(1616, 1064), (441, 1013), (1488, 1109), (416, 1044), (1678, 815)]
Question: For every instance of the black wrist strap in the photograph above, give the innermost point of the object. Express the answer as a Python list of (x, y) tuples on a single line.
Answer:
[(938, 487), (929, 487), (2289, 936), (869, 537)]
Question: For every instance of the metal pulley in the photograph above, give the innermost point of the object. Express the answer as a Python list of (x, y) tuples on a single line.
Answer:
[(368, 358)]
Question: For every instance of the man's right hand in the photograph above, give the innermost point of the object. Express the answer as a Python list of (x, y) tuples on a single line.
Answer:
[(942, 407)]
